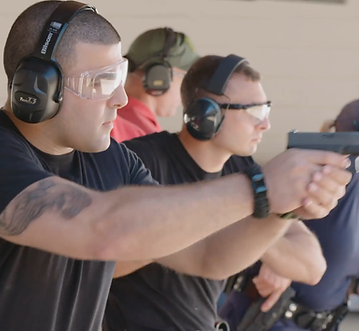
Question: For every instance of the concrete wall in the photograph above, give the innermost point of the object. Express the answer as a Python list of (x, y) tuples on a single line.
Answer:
[(307, 52)]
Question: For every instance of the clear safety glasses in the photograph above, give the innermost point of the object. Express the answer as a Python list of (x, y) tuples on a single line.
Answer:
[(99, 84), (258, 110)]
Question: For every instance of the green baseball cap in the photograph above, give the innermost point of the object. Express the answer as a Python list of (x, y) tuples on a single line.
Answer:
[(151, 43)]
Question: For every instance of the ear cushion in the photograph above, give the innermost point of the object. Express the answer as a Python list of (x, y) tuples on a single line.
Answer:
[(203, 118), (36, 90), (157, 78)]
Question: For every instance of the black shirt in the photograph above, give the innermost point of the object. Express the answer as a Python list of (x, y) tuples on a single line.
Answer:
[(155, 297), (40, 291)]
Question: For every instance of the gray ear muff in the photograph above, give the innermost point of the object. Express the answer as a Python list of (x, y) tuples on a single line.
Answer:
[(158, 72), (157, 78)]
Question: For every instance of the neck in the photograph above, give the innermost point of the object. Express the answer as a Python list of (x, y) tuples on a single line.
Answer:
[(208, 157), (38, 134)]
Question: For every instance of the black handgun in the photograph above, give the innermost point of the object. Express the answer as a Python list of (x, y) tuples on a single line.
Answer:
[(339, 142), (256, 320)]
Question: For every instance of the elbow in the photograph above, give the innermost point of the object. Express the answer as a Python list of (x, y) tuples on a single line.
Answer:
[(108, 244), (114, 237), (108, 248)]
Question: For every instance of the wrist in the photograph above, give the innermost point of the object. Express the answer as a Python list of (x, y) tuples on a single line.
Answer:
[(259, 189)]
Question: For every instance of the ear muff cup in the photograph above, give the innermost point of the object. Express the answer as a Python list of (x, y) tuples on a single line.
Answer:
[(157, 78), (203, 118), (36, 90)]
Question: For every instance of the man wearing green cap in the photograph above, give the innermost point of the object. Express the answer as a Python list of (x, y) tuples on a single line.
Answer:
[(158, 60)]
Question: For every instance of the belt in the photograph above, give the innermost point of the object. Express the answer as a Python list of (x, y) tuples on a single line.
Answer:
[(315, 321)]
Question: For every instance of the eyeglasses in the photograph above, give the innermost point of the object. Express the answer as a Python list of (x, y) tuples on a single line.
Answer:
[(258, 110), (99, 84)]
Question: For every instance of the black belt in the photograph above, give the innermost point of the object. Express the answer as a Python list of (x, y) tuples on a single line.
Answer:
[(315, 321)]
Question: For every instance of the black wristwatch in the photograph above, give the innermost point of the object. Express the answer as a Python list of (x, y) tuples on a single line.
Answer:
[(261, 203)]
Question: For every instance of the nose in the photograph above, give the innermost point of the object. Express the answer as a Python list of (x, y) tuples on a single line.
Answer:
[(264, 125), (119, 98)]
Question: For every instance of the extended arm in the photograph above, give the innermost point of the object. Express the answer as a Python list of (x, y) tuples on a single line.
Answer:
[(145, 223)]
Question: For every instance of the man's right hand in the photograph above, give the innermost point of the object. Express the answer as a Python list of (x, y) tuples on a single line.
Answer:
[(308, 181)]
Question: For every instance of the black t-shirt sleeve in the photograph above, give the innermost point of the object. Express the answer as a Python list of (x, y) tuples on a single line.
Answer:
[(19, 167), (139, 174)]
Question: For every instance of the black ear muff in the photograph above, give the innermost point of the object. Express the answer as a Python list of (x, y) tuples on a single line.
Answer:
[(157, 78), (35, 90), (158, 72), (204, 117), (37, 85)]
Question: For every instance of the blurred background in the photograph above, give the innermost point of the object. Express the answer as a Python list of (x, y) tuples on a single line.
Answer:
[(307, 51)]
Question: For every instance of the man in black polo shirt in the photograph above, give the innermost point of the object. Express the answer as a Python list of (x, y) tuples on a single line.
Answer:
[(180, 292)]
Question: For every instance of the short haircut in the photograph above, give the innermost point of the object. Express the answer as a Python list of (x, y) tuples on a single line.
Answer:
[(87, 27), (201, 72)]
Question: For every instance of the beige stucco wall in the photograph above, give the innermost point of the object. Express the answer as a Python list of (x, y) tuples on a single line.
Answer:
[(308, 53)]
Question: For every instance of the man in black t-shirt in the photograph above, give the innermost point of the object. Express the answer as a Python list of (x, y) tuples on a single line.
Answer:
[(184, 296), (66, 211)]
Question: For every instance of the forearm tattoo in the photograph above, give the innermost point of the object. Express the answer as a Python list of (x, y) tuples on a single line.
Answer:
[(48, 195)]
